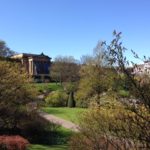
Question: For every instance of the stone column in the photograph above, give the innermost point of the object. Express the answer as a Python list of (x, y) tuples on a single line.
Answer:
[(31, 66)]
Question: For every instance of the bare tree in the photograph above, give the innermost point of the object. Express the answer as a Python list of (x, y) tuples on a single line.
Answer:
[(65, 69)]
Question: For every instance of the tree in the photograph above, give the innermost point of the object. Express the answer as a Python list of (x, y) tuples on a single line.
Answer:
[(95, 76), (70, 88), (14, 94), (116, 52), (64, 69), (120, 123), (71, 101), (141, 92), (16, 115), (4, 50)]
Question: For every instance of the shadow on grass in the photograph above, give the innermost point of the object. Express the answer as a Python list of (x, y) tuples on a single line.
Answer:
[(63, 136), (44, 147)]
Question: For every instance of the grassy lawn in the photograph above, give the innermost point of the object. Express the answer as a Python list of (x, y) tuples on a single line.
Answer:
[(70, 114), (44, 147), (47, 86)]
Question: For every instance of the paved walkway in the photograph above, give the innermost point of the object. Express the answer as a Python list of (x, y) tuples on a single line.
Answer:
[(62, 122)]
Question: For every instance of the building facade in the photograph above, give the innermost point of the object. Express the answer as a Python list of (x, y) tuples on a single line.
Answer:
[(38, 66), (142, 68)]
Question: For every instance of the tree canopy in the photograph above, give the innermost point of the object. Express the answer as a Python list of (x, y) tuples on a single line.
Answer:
[(14, 94), (64, 69), (4, 50)]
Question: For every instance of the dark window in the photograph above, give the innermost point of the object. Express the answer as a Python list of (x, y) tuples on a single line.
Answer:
[(42, 67)]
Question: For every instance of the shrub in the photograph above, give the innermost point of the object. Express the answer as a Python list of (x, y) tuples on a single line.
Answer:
[(57, 99), (13, 143), (123, 93), (14, 94), (82, 103), (71, 101), (115, 126)]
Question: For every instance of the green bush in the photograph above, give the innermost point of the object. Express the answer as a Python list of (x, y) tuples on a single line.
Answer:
[(71, 101), (113, 127), (81, 103), (123, 93), (57, 99)]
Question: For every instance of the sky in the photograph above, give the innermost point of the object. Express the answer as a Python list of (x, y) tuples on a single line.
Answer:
[(73, 27)]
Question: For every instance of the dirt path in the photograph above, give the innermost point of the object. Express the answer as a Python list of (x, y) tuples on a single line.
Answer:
[(62, 122)]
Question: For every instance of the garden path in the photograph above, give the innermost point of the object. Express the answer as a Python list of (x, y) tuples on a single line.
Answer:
[(62, 122)]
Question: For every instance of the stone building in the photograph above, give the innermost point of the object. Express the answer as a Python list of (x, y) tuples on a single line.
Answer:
[(142, 68), (38, 66)]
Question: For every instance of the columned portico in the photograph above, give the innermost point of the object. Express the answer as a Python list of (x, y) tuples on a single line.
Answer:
[(37, 66)]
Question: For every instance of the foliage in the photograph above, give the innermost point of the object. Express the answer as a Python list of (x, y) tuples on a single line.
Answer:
[(70, 87), (95, 80), (116, 52), (96, 77), (4, 50), (140, 88), (57, 98), (13, 143), (13, 94), (64, 69), (44, 133), (71, 101), (113, 127), (122, 85), (123, 93), (46, 87), (120, 125)]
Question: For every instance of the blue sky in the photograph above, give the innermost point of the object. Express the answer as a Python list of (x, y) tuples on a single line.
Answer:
[(73, 27)]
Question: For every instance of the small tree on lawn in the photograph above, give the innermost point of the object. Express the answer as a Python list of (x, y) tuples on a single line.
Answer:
[(71, 101)]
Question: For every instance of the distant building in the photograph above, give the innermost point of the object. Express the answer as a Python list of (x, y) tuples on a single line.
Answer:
[(142, 68), (38, 66)]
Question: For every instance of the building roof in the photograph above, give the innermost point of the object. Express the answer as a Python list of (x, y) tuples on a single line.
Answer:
[(147, 61), (24, 55), (140, 66)]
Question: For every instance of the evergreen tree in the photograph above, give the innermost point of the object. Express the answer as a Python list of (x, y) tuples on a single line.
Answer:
[(71, 101)]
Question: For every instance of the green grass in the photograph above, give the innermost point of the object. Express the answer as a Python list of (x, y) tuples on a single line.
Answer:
[(44, 147), (47, 86), (71, 114)]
